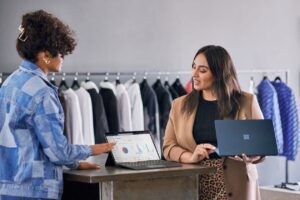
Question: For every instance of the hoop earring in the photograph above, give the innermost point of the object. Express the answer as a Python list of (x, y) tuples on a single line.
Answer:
[(47, 61)]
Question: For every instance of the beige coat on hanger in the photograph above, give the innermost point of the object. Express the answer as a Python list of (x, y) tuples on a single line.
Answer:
[(241, 180)]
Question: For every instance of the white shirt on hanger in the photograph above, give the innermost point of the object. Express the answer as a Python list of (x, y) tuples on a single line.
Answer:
[(137, 112), (86, 109), (73, 118), (124, 108)]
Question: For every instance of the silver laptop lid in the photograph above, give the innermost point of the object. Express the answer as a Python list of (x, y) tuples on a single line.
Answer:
[(133, 147)]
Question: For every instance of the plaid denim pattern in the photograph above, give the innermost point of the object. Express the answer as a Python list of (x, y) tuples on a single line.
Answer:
[(33, 148)]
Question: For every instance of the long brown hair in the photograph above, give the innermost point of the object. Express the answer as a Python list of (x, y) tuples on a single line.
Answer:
[(226, 85)]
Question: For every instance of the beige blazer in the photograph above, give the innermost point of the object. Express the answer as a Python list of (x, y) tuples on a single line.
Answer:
[(241, 180)]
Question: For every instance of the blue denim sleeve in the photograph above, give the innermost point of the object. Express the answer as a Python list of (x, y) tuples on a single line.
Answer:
[(48, 125)]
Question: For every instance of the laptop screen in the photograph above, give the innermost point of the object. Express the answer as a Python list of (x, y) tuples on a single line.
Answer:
[(133, 147)]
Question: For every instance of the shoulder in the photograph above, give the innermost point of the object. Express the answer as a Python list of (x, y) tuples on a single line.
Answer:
[(178, 102), (247, 98)]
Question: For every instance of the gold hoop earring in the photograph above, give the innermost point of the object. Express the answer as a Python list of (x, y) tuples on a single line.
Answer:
[(47, 61)]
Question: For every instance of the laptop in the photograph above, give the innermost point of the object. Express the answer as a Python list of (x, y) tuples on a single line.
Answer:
[(136, 150), (250, 137)]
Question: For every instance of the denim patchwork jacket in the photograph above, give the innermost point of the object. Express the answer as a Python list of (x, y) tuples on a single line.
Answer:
[(33, 148)]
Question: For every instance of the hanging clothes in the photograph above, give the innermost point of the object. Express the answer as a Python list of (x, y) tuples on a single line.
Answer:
[(179, 87), (164, 103), (63, 103), (124, 108), (99, 115), (73, 118), (86, 109), (136, 103), (252, 87), (108, 93), (289, 119), (268, 101), (189, 86), (151, 112), (171, 90)]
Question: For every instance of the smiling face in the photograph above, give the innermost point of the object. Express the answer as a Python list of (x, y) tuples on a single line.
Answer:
[(203, 78)]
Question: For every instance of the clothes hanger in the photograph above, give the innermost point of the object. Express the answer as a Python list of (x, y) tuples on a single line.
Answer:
[(52, 80), (63, 84), (118, 79), (277, 79), (134, 77), (158, 81), (87, 79), (106, 77), (177, 80), (144, 81), (0, 79), (75, 85), (167, 81)]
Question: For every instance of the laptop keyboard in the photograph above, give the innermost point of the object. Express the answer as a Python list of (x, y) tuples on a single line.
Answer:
[(150, 164)]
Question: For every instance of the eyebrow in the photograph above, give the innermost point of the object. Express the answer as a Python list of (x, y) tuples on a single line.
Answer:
[(200, 66)]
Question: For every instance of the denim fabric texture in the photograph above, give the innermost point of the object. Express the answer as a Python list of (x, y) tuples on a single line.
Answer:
[(33, 148)]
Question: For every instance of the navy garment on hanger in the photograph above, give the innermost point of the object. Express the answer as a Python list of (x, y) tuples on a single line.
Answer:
[(164, 103), (179, 87), (289, 119), (99, 116), (111, 110), (150, 104), (171, 90)]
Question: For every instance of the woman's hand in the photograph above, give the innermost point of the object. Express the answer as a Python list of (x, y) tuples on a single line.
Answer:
[(202, 151), (88, 165), (246, 159), (102, 148)]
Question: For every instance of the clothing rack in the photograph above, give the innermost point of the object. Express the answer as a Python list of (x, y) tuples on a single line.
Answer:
[(251, 72)]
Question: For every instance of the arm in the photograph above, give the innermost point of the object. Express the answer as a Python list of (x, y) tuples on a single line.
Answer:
[(48, 126), (171, 149)]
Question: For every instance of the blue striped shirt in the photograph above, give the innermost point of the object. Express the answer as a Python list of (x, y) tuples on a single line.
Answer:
[(33, 148)]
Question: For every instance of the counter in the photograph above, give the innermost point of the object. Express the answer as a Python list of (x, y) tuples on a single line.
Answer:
[(114, 183)]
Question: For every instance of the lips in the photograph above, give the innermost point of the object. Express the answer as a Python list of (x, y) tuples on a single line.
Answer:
[(196, 81)]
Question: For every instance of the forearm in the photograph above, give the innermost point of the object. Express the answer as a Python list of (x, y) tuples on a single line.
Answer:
[(186, 157)]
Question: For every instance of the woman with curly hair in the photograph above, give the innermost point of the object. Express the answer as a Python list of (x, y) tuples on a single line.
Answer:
[(33, 148)]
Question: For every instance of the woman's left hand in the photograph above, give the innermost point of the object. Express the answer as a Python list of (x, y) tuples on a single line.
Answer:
[(246, 159)]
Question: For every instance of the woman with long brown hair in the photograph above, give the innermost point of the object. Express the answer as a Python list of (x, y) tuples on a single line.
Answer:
[(190, 134)]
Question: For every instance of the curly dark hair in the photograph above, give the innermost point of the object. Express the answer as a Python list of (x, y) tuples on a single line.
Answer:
[(44, 32)]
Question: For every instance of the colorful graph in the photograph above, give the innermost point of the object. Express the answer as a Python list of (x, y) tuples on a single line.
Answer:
[(124, 150)]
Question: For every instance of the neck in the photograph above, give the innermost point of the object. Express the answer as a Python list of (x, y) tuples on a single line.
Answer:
[(42, 67), (209, 95)]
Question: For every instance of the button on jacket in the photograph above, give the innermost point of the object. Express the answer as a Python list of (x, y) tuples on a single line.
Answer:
[(32, 145), (241, 180)]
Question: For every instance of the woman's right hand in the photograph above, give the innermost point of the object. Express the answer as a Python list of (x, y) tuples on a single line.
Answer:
[(102, 148), (202, 151)]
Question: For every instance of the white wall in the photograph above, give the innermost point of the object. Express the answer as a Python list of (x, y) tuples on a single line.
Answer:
[(163, 35)]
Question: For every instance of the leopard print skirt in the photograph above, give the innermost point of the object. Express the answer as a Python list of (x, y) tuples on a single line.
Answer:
[(212, 186)]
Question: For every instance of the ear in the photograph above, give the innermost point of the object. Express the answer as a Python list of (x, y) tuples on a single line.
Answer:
[(42, 55)]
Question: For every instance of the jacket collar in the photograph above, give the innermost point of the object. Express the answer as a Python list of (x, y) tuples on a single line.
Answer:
[(33, 68)]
